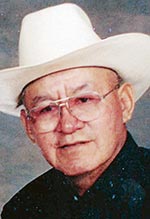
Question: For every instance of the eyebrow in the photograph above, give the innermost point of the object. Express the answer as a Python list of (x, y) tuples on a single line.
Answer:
[(38, 99), (81, 87)]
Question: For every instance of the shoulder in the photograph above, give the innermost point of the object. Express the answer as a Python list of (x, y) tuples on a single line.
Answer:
[(140, 157), (42, 183), (142, 190), (143, 160), (144, 155), (135, 163), (31, 196), (136, 154)]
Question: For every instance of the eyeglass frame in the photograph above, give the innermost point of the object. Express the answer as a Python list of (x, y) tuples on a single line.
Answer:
[(64, 101)]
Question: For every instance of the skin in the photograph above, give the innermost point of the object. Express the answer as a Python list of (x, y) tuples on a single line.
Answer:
[(90, 147)]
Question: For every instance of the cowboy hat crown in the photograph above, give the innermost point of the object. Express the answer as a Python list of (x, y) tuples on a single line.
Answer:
[(54, 32), (61, 37)]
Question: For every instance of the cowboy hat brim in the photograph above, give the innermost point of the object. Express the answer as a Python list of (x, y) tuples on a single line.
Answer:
[(127, 54)]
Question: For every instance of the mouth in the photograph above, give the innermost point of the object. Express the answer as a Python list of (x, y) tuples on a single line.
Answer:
[(74, 144)]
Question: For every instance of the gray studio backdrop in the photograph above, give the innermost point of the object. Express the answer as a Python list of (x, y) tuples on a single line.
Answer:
[(20, 161)]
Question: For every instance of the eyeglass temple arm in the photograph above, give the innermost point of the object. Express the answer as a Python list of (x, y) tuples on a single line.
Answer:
[(105, 95)]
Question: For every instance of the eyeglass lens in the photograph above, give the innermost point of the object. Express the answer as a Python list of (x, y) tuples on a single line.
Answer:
[(85, 107)]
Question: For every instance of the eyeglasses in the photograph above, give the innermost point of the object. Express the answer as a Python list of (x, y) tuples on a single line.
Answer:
[(84, 107)]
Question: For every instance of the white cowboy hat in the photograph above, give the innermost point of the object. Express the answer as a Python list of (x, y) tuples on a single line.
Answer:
[(62, 37)]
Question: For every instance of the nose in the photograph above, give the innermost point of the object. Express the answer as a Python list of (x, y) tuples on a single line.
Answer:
[(68, 123)]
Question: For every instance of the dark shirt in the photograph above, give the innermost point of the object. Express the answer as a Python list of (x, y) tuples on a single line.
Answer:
[(121, 192)]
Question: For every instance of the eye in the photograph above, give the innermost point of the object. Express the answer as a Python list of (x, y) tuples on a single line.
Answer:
[(46, 109), (84, 99)]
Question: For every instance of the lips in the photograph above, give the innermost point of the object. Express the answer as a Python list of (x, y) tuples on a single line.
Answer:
[(73, 144)]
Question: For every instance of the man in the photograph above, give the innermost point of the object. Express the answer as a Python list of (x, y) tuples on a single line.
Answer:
[(76, 93)]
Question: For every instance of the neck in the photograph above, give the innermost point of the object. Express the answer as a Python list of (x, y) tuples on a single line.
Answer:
[(84, 181)]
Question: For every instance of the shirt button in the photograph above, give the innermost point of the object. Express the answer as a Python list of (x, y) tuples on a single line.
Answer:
[(75, 198)]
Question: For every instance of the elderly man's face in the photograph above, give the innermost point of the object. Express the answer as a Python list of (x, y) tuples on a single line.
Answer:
[(75, 146)]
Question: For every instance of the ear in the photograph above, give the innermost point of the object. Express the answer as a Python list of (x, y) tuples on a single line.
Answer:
[(27, 125), (127, 101)]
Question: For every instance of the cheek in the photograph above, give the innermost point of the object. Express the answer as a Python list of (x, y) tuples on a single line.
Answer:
[(47, 143), (110, 115), (113, 114), (109, 124)]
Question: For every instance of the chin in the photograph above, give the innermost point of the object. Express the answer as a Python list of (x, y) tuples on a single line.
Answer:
[(73, 170)]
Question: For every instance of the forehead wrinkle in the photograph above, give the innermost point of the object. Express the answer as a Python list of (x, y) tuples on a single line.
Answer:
[(38, 99), (81, 87), (60, 93)]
